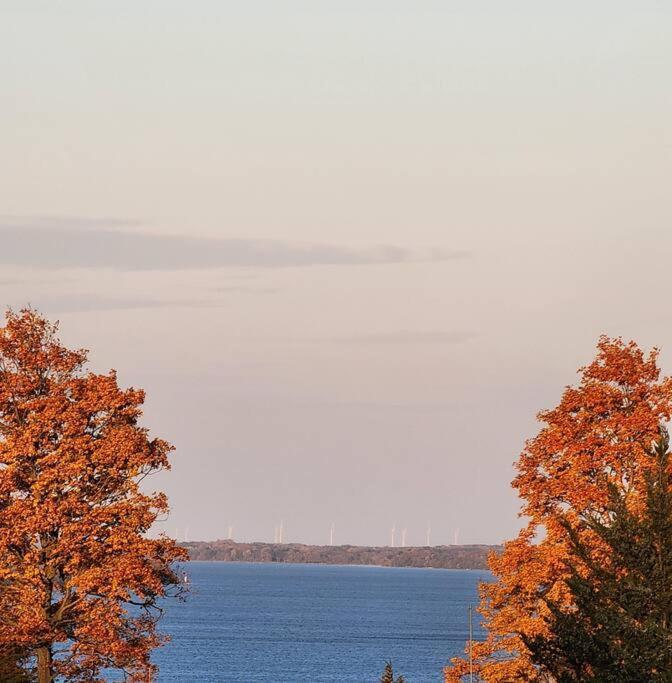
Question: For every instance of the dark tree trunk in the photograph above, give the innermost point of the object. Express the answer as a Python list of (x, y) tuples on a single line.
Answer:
[(44, 665)]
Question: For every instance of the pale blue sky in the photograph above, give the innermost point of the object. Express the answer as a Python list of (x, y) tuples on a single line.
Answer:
[(349, 248)]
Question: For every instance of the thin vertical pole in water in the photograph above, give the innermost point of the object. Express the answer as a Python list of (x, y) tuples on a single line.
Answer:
[(471, 637)]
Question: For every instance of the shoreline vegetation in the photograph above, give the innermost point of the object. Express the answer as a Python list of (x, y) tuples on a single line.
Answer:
[(434, 557)]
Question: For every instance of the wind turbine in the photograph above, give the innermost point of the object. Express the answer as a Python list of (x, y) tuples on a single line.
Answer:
[(429, 534), (331, 533), (392, 530)]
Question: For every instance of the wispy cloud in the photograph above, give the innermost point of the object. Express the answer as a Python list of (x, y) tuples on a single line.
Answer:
[(84, 303), (407, 337), (32, 281), (233, 289), (64, 243)]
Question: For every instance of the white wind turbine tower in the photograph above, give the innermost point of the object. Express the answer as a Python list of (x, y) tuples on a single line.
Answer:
[(280, 531), (230, 534), (456, 536), (429, 534), (332, 531), (392, 530)]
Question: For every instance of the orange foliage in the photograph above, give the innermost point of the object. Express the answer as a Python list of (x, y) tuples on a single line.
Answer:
[(74, 555), (600, 433)]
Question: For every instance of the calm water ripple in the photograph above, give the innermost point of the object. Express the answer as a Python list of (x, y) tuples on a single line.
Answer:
[(282, 623)]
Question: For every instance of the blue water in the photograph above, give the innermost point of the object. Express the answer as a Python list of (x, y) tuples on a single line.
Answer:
[(283, 623)]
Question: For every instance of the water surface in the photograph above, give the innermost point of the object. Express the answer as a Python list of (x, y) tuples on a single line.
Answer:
[(285, 623)]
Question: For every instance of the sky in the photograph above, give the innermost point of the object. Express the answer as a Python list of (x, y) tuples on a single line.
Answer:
[(349, 248)]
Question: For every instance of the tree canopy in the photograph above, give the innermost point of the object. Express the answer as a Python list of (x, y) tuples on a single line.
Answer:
[(80, 577), (597, 441), (619, 626), (388, 675)]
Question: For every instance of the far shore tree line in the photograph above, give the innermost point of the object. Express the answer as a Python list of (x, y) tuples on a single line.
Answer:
[(438, 557), (582, 594)]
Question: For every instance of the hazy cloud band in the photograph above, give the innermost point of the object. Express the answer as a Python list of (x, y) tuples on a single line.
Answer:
[(408, 337), (59, 247)]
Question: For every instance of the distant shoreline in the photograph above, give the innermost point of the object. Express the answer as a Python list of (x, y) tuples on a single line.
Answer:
[(429, 557), (333, 564)]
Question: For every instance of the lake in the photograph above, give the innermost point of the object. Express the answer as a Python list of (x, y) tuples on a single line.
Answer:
[(284, 623)]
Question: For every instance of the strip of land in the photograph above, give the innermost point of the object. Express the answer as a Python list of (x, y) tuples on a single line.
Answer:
[(437, 557)]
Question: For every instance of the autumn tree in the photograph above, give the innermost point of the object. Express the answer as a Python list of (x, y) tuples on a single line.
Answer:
[(619, 627), (81, 579), (598, 439)]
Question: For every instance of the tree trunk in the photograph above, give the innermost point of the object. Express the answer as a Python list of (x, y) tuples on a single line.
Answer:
[(44, 662)]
